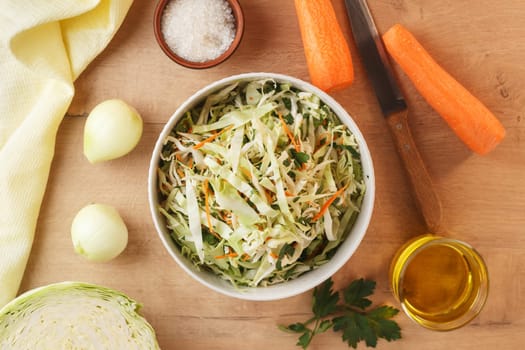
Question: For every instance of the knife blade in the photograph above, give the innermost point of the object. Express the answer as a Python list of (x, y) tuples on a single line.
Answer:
[(394, 107)]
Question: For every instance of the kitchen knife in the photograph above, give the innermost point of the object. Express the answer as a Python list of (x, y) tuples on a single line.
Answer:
[(393, 105)]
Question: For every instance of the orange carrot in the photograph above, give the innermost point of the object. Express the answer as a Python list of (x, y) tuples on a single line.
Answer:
[(211, 138), (246, 172), (229, 255), (326, 49), (269, 196), (472, 122), (207, 205), (289, 133), (327, 204), (226, 218)]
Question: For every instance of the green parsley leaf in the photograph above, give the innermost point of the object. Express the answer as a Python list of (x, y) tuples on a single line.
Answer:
[(287, 249), (385, 312), (305, 339), (351, 149), (304, 220), (355, 328), (294, 328), (208, 237), (324, 326), (325, 300), (355, 294), (288, 118), (350, 318), (299, 157), (380, 320)]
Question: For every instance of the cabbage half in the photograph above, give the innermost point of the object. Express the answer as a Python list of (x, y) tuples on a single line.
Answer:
[(74, 315)]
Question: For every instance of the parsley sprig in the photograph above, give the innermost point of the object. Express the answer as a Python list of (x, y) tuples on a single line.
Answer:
[(350, 316)]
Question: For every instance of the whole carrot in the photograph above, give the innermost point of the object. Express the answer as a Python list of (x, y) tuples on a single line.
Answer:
[(326, 49), (472, 122)]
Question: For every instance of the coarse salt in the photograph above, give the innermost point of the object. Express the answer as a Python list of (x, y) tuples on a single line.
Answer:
[(198, 30)]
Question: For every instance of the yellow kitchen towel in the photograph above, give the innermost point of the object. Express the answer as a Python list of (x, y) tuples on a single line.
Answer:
[(44, 46)]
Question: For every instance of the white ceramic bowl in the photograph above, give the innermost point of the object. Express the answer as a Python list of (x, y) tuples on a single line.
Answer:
[(309, 279)]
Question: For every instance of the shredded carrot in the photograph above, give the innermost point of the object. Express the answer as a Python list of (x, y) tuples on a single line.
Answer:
[(226, 217), (245, 257), (326, 50), (288, 193), (211, 138), (325, 137), (472, 122), (229, 255), (268, 196), (273, 255), (207, 205), (190, 163), (289, 133), (246, 172), (327, 204)]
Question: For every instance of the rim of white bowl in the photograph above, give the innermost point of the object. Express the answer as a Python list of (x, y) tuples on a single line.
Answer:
[(309, 279)]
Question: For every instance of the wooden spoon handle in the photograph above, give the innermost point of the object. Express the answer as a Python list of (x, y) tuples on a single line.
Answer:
[(423, 190)]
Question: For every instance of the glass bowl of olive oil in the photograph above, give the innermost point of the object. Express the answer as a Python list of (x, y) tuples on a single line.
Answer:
[(441, 283)]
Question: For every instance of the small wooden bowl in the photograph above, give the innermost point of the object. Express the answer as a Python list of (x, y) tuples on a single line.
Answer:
[(239, 30)]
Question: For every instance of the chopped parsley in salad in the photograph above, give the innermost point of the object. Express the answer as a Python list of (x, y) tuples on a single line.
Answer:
[(260, 183)]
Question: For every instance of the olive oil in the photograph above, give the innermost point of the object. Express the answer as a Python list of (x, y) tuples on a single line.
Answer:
[(441, 283)]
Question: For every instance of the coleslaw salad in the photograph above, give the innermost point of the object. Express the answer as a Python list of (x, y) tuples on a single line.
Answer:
[(260, 182)]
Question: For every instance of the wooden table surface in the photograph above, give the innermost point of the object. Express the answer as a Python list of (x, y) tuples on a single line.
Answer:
[(480, 43)]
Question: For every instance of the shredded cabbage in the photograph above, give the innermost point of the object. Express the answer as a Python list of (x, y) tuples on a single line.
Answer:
[(260, 183)]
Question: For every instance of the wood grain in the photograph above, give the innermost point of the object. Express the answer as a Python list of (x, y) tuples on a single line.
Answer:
[(483, 198), (421, 184)]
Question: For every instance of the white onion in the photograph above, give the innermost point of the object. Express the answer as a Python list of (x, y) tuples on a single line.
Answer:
[(99, 233), (112, 130)]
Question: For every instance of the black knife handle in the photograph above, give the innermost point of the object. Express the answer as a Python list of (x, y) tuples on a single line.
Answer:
[(426, 198)]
